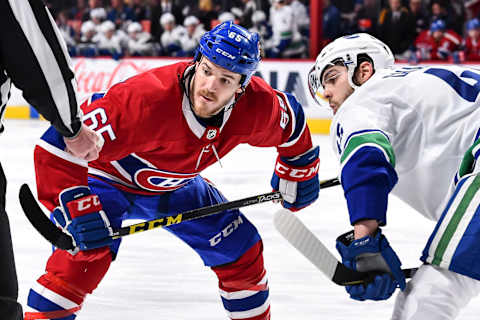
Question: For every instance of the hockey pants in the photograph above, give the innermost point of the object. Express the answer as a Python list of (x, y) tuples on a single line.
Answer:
[(226, 242)]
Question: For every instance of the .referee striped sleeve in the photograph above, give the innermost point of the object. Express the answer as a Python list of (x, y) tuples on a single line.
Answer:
[(35, 57)]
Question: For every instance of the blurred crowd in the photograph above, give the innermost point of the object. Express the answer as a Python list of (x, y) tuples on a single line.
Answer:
[(120, 28), (415, 30)]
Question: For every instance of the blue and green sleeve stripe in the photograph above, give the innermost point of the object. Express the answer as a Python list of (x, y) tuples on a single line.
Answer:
[(368, 175)]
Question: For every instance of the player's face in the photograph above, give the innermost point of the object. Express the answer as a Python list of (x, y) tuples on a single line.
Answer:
[(336, 86), (437, 35), (213, 87), (474, 33)]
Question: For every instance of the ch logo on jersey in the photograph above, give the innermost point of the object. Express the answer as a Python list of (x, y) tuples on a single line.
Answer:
[(157, 180)]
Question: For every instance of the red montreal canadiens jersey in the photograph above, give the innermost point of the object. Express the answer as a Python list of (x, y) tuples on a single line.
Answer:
[(153, 141), (472, 49), (448, 43)]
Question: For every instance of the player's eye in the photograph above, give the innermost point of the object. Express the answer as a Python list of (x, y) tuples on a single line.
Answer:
[(330, 78), (225, 81)]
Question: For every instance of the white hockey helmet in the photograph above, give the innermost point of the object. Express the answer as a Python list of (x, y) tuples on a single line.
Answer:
[(347, 50), (226, 16), (167, 17), (87, 26), (190, 21), (134, 27), (259, 16), (107, 26), (98, 13)]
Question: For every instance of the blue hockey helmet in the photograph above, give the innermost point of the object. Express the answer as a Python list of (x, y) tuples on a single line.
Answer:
[(437, 25), (473, 24), (232, 47)]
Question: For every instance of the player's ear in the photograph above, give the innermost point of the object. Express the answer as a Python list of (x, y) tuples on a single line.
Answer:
[(364, 72)]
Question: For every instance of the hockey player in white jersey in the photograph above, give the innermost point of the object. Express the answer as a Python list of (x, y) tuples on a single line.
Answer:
[(286, 40), (172, 35), (413, 131)]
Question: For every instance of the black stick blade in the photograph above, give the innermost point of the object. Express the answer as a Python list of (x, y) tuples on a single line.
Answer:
[(40, 221)]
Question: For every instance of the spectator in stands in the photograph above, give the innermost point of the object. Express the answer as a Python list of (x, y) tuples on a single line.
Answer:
[(367, 16), (191, 39), (365, 25), (98, 16), (87, 45), (109, 44), (248, 8), (349, 10), (458, 8), (207, 11), (331, 22), (260, 26), (286, 40), (156, 9), (395, 28), (139, 43), (418, 16), (225, 16), (300, 16), (77, 12), (472, 40), (439, 11), (119, 13), (92, 5), (67, 31), (139, 9), (171, 36), (438, 43), (472, 8), (238, 14)]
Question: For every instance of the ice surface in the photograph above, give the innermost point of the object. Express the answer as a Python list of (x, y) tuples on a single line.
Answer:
[(156, 276)]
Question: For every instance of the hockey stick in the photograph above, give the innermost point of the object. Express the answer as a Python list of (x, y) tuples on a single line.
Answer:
[(63, 241), (299, 236)]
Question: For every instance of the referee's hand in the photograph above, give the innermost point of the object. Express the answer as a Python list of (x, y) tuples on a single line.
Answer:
[(86, 145)]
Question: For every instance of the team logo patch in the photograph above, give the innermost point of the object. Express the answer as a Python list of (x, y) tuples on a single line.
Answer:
[(211, 134), (157, 180)]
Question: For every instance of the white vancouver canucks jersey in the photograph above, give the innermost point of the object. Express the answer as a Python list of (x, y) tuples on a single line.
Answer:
[(422, 118)]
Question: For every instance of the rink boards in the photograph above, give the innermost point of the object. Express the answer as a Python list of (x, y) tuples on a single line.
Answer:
[(94, 75)]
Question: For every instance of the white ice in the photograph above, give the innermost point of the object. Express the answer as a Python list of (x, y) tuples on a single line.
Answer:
[(156, 276)]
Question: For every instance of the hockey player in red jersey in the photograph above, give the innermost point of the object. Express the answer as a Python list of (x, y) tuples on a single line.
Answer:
[(472, 41), (438, 43), (161, 129)]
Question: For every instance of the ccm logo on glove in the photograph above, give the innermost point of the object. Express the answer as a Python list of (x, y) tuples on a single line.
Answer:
[(297, 174), (91, 202)]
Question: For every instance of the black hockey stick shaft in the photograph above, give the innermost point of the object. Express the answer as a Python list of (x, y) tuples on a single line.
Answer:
[(346, 277), (61, 240)]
